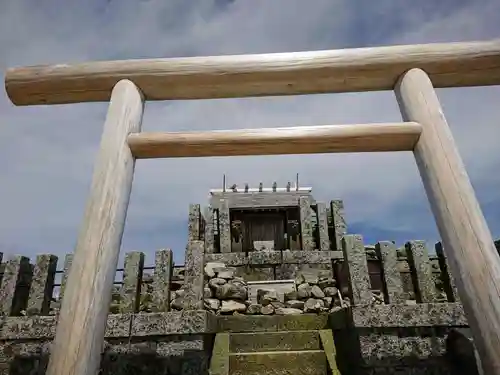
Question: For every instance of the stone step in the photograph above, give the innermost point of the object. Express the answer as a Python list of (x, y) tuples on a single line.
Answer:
[(272, 323), (274, 341), (309, 362)]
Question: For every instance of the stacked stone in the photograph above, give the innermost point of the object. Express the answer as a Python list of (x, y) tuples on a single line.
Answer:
[(315, 294), (224, 293), (227, 294)]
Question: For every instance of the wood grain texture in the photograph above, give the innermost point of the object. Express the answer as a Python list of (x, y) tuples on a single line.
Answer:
[(277, 141), (467, 241), (347, 70), (82, 321)]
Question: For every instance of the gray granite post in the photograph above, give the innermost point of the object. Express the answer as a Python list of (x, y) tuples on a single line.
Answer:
[(420, 267), (357, 266), (391, 277), (306, 229), (449, 283), (68, 259), (162, 279), (338, 223), (42, 285), (224, 227), (194, 219), (11, 280), (132, 278), (324, 241), (209, 230), (194, 276)]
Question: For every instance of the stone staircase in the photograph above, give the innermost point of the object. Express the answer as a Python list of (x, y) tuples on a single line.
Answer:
[(309, 352)]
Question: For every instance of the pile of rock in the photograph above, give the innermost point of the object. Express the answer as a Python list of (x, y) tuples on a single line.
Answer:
[(224, 293), (315, 294), (227, 294)]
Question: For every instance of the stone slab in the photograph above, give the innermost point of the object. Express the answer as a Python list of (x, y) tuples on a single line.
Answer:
[(219, 363), (173, 323), (261, 323), (230, 259), (44, 327), (264, 258), (251, 342), (307, 362), (418, 315), (312, 256), (28, 327)]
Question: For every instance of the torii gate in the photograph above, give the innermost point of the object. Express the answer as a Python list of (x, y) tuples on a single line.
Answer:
[(411, 71)]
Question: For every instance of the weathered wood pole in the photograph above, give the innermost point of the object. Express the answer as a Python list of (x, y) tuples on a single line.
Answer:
[(472, 256), (82, 321)]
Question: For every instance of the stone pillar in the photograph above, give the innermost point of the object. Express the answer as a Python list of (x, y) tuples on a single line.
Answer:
[(338, 223), (193, 276), (194, 219), (68, 259), (393, 284), (209, 230), (224, 227), (324, 241), (421, 269), (448, 281), (42, 285), (11, 280), (162, 279), (132, 277), (357, 266), (306, 231)]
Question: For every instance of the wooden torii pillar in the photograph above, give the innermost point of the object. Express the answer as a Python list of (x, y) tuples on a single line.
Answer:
[(411, 71)]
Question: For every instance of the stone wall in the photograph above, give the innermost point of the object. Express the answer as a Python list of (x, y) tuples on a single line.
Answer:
[(152, 322)]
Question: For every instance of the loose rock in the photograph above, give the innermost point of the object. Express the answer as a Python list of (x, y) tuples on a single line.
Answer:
[(331, 291), (214, 283), (207, 293), (314, 305), (267, 310), (277, 304), (232, 306), (287, 311), (326, 283), (304, 291), (254, 309), (225, 272), (266, 296), (177, 303), (311, 278), (212, 304), (210, 268), (291, 295), (231, 291), (328, 301), (317, 292)]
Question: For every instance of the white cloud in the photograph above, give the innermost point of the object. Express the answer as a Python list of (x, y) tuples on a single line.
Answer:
[(48, 152)]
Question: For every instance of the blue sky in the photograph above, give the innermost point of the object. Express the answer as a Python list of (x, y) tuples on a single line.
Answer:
[(47, 152)]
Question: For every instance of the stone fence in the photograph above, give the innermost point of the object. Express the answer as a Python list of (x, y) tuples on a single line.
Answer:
[(399, 274), (408, 323)]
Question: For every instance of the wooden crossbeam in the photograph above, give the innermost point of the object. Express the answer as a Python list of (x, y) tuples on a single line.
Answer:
[(348, 70), (277, 141)]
